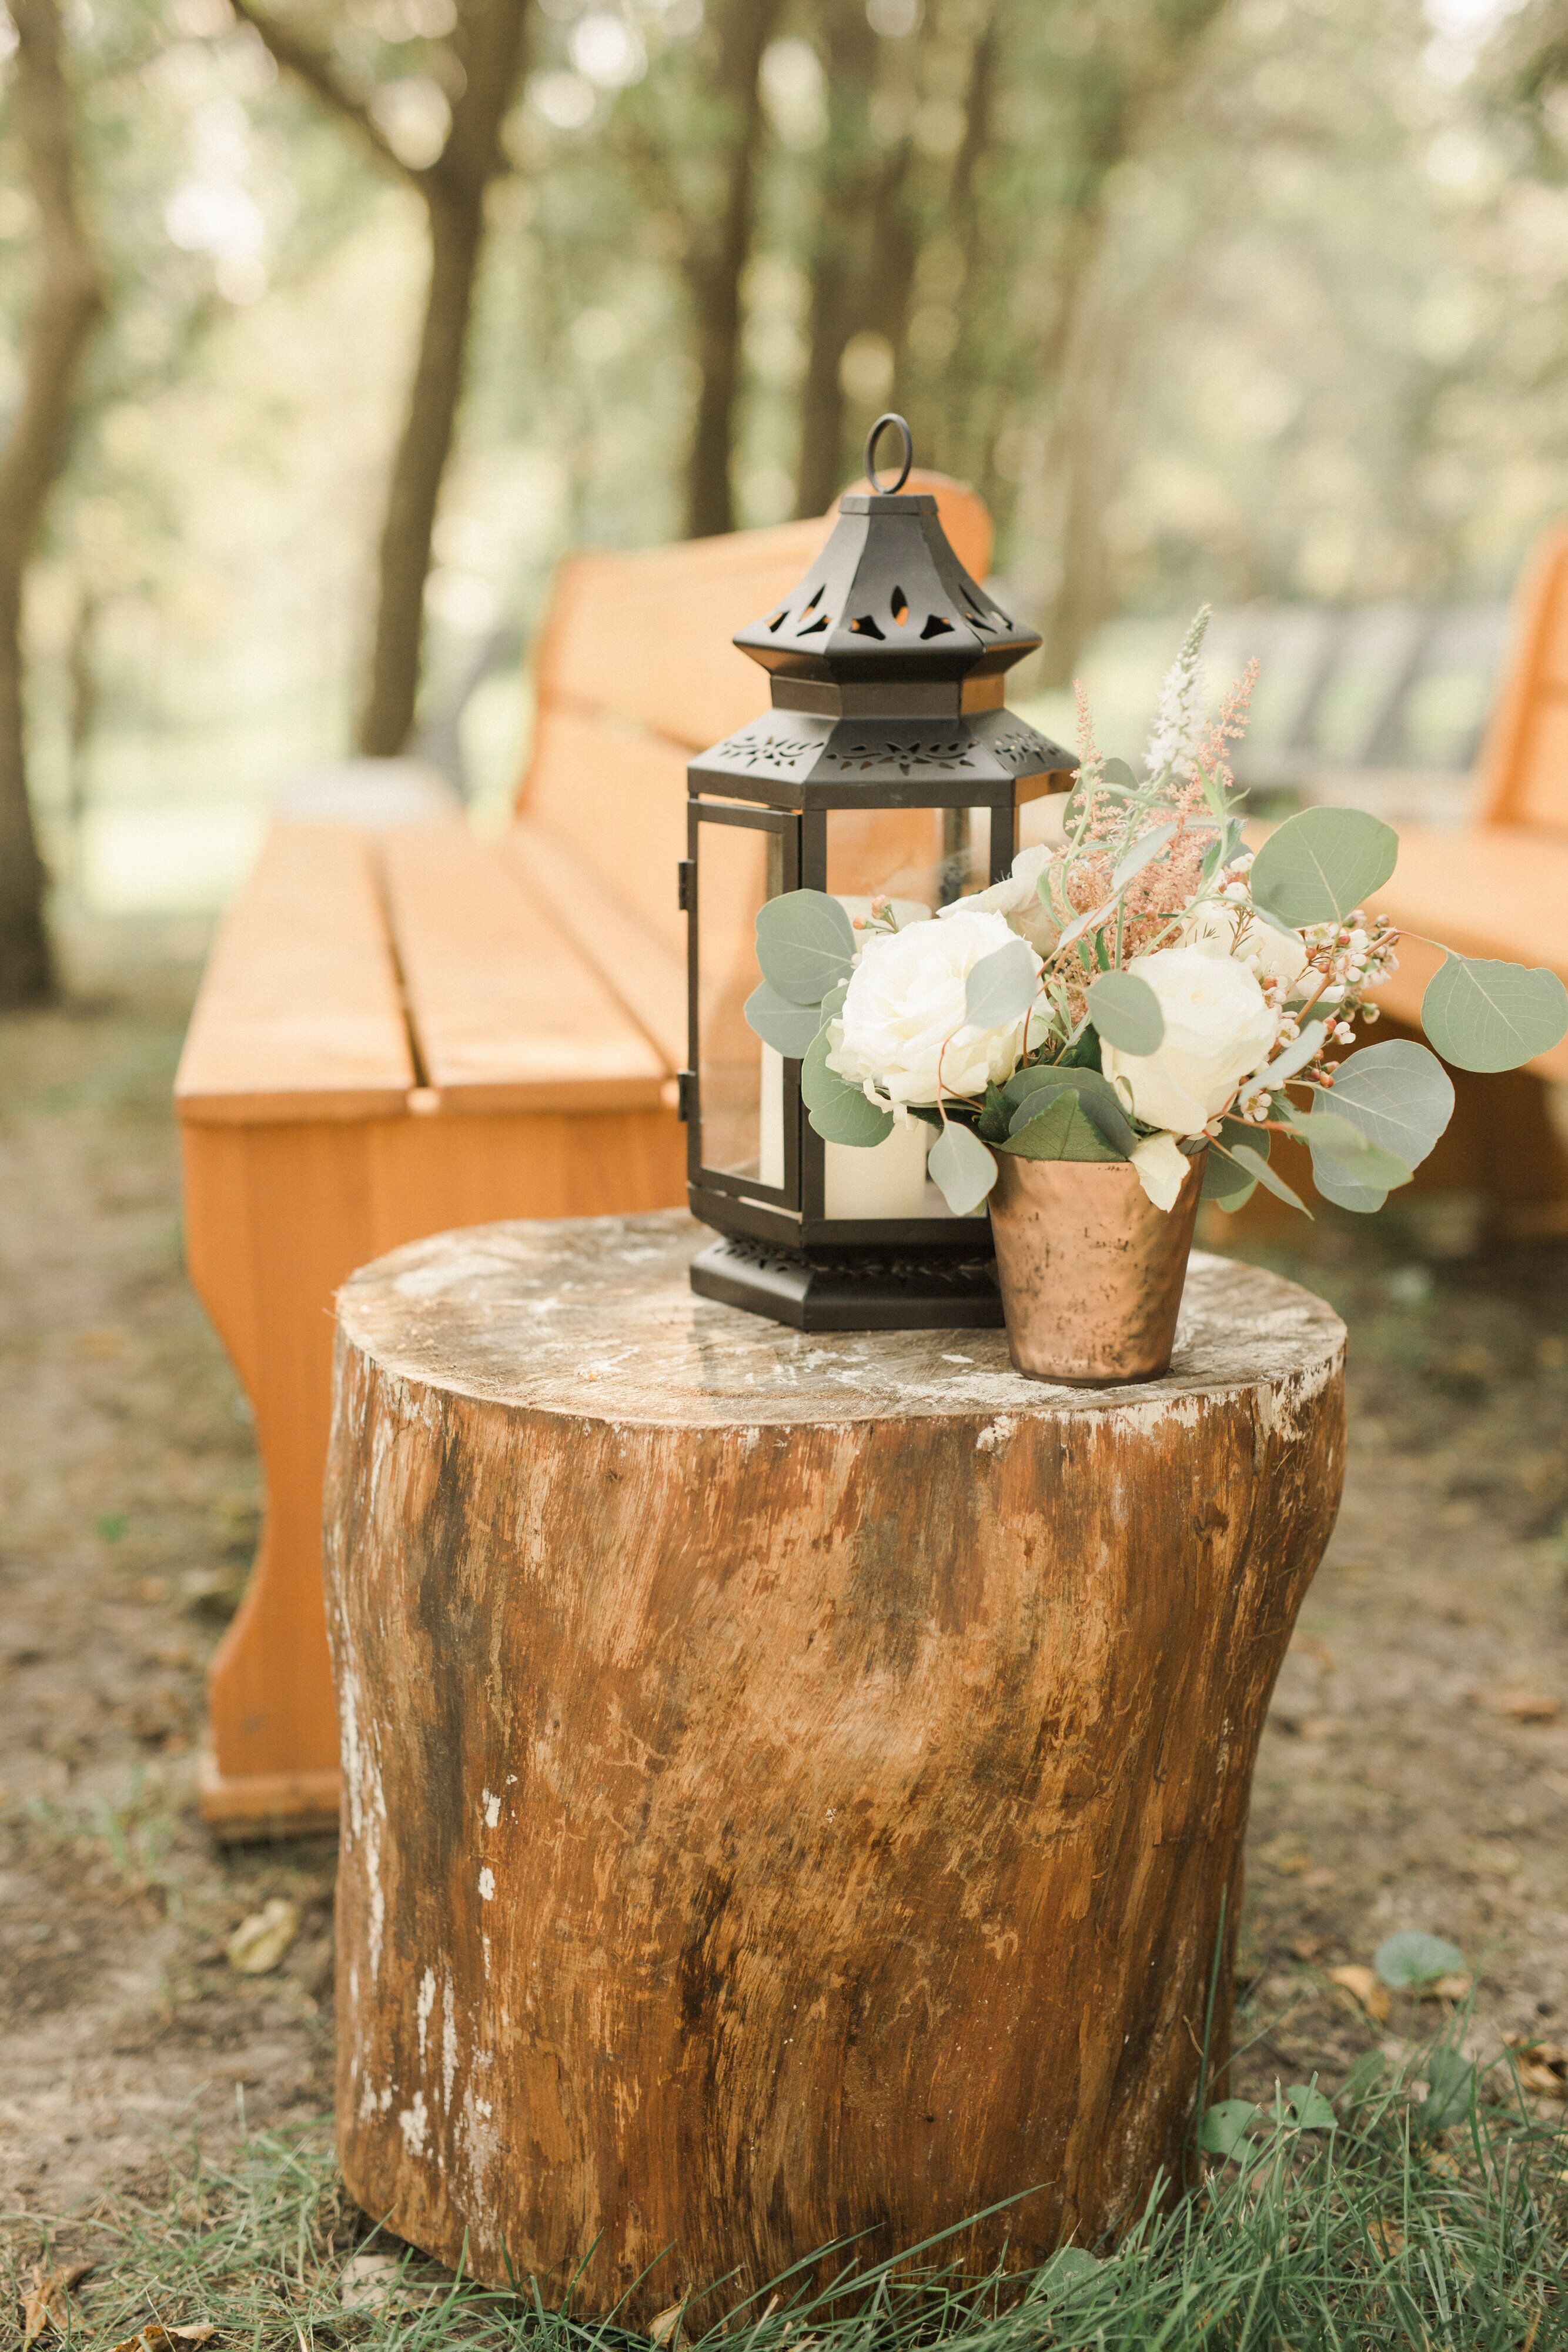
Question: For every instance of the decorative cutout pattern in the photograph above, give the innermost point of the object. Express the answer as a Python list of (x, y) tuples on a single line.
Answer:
[(1021, 751), (944, 756), (964, 1273), (763, 750)]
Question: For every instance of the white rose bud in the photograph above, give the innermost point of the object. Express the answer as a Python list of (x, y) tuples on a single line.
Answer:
[(1219, 1028), (906, 1004)]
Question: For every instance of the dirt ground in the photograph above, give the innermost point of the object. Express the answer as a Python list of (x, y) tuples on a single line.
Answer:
[(1414, 1772)]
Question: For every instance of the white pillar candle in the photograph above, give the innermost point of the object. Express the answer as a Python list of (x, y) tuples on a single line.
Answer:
[(887, 1181), (770, 1112)]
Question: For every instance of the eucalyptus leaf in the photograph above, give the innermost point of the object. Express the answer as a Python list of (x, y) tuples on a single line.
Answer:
[(1487, 1015), (1335, 1137), (1321, 864), (1226, 2127), (1413, 1957), (1310, 2111), (805, 944), (1062, 1131), (1252, 1160), (1001, 987), (1335, 1182), (1043, 1078), (788, 1028), (1399, 1095), (1371, 1169), (1116, 772), (1127, 1011), (961, 1167), (1223, 1182), (838, 1112), (1143, 853)]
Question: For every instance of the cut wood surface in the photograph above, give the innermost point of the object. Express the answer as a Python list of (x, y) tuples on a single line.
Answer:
[(299, 1014), (794, 1785)]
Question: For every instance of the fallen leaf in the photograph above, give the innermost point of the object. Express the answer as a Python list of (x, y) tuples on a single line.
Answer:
[(376, 2283), (47, 2300), (260, 1943), (1438, 2160), (1523, 1706), (1450, 1988), (1364, 1988), (1543, 2065), (664, 2327), (1386, 2236), (158, 2339)]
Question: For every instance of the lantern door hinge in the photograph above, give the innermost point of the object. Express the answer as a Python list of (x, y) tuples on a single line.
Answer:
[(685, 1093), (686, 869)]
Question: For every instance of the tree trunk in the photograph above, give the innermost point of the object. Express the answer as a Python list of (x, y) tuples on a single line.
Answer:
[(844, 196), (456, 235), (69, 298), (715, 266), (794, 1785)]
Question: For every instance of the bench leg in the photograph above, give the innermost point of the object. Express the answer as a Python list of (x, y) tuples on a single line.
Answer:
[(277, 1217)]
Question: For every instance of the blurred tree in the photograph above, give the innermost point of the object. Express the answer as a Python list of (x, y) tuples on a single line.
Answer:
[(449, 151), (69, 298)]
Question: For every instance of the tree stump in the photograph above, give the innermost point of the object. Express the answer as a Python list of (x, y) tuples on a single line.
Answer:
[(793, 1785)]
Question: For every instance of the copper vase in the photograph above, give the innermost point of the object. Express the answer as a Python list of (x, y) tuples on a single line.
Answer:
[(1090, 1271)]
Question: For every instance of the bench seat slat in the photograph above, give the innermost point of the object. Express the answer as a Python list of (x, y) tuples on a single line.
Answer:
[(507, 1012), (299, 1014), (1491, 890), (642, 968)]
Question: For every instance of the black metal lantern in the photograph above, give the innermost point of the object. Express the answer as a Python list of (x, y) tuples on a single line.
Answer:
[(887, 767)]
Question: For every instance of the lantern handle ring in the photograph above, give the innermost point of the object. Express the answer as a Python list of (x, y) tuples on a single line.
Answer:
[(888, 490)]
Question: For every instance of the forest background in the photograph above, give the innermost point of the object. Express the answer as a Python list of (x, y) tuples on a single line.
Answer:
[(328, 324)]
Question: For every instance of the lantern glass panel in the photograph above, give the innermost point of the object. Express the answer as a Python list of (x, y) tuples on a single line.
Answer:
[(921, 859), (740, 1080)]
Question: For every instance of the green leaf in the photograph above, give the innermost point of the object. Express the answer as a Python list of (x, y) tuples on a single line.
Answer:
[(805, 943), (1143, 852), (1399, 1095), (1104, 1112), (961, 1167), (1062, 1130), (788, 1028), (1252, 1160), (1043, 1077), (1116, 772), (1071, 2268), (1001, 987), (1223, 1182), (1372, 1170), (1310, 2111), (994, 1118), (1225, 2127), (1296, 1057), (1320, 865), (1127, 1011), (838, 1112), (1451, 2082), (1485, 1015), (1413, 1957)]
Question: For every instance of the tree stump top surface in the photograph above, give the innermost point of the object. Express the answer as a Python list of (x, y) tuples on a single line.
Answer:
[(594, 1317)]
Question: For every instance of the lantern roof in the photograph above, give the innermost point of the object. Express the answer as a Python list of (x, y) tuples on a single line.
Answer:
[(887, 601)]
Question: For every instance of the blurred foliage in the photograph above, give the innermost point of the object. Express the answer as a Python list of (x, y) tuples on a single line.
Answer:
[(1250, 299)]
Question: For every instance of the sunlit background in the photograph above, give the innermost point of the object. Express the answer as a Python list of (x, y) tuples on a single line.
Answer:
[(1267, 308)]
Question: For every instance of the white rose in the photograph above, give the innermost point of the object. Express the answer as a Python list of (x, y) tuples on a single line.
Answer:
[(1017, 898), (906, 1004), (1226, 931), (1219, 1026)]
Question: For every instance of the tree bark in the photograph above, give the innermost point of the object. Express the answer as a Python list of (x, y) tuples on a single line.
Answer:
[(69, 299), (793, 1785), (716, 265), (489, 49)]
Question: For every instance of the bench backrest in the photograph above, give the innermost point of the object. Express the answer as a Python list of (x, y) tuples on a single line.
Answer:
[(635, 672), (1524, 761)]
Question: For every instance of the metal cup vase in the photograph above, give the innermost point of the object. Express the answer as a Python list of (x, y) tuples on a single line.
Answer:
[(1090, 1271)]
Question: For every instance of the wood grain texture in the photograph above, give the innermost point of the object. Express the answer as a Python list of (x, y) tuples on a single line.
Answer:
[(792, 1783), (299, 1014)]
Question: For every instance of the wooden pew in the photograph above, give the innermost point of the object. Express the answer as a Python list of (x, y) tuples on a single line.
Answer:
[(404, 1032)]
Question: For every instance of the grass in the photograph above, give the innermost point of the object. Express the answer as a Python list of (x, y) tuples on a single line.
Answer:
[(1381, 2230)]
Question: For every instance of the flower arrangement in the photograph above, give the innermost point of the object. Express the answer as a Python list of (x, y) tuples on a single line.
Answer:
[(1149, 990)]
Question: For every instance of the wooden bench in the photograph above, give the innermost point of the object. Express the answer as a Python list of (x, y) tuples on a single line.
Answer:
[(409, 1030)]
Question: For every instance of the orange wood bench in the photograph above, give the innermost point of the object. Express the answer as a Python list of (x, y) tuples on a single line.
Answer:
[(409, 1031)]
